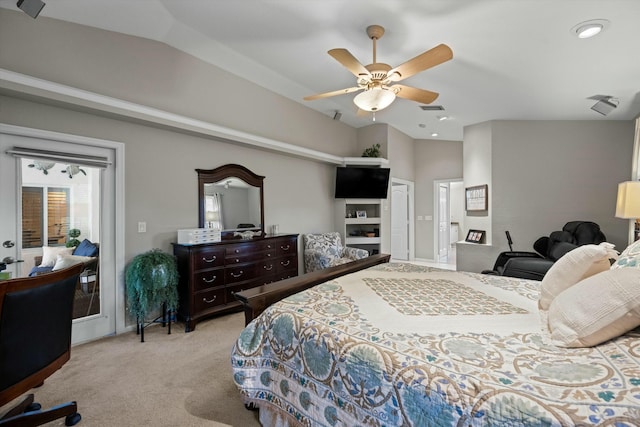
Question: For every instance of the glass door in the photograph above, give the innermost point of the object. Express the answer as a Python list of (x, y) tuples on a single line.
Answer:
[(59, 212), (48, 208)]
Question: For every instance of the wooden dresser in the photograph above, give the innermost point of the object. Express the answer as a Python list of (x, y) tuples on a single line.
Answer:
[(211, 272)]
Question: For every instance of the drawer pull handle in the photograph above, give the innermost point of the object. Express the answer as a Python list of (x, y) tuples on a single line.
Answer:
[(209, 260), (211, 300), (285, 263), (285, 248), (268, 246), (237, 251), (237, 260), (238, 275), (213, 279), (268, 255), (269, 267)]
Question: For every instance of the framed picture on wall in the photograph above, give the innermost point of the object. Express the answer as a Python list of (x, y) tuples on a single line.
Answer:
[(476, 198), (475, 236)]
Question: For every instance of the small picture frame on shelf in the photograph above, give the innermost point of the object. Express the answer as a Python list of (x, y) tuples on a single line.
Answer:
[(361, 214), (475, 236)]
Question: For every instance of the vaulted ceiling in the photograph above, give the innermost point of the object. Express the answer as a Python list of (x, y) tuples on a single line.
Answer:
[(517, 60)]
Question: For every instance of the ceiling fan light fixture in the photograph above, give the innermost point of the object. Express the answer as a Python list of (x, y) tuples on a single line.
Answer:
[(587, 29), (375, 99)]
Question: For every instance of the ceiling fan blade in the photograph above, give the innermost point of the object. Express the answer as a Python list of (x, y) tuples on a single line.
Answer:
[(333, 93), (426, 60), (350, 62), (414, 94)]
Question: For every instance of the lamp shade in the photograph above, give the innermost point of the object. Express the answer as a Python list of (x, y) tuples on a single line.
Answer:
[(374, 99), (628, 203)]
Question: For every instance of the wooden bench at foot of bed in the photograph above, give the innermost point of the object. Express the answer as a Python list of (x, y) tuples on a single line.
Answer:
[(256, 300)]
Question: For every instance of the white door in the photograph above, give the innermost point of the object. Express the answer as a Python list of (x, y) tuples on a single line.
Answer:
[(399, 222), (444, 222), (12, 170)]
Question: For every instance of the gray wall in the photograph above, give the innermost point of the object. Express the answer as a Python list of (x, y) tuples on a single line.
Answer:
[(434, 160), (543, 174)]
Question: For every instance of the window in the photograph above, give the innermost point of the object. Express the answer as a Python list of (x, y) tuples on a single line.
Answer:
[(56, 202)]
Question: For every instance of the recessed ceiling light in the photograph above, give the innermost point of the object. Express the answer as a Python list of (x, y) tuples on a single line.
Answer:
[(587, 29), (442, 118), (434, 134)]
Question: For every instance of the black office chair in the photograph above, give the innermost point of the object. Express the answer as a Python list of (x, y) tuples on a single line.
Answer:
[(35, 341)]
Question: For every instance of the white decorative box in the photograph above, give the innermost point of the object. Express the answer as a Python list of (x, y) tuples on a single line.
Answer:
[(196, 236)]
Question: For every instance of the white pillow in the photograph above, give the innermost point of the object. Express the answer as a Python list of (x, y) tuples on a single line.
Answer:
[(630, 257), (576, 265), (50, 254), (65, 261), (596, 309)]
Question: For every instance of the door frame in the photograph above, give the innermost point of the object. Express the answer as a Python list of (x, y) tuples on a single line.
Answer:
[(410, 213), (118, 209)]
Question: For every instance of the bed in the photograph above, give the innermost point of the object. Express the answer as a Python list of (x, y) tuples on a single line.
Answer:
[(397, 344)]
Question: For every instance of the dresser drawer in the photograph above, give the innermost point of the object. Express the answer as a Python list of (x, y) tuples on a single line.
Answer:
[(241, 287), (240, 273), (285, 275), (249, 257), (287, 246), (207, 258), (287, 263), (208, 279), (267, 267), (208, 299)]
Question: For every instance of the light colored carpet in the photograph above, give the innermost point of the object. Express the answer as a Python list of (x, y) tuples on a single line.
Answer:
[(169, 380)]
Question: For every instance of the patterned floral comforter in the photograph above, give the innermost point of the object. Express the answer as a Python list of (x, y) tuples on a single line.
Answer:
[(404, 345)]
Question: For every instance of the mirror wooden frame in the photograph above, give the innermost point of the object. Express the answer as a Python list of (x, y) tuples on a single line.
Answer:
[(211, 176)]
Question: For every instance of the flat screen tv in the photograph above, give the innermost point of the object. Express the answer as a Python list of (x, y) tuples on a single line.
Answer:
[(361, 183)]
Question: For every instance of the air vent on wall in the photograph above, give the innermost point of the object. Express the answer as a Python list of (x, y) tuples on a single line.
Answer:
[(432, 107)]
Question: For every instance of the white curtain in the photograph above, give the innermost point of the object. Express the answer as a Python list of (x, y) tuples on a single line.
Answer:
[(213, 211)]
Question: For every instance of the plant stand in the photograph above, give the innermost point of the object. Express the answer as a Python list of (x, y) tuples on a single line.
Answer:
[(165, 319)]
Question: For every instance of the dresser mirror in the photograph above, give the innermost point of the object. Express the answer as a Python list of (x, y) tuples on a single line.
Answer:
[(231, 199)]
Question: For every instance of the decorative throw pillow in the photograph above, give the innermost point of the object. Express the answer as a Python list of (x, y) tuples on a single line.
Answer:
[(630, 257), (86, 248), (50, 254), (65, 261), (578, 264), (596, 309)]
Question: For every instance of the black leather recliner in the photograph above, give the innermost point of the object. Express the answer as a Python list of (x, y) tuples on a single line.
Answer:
[(534, 265)]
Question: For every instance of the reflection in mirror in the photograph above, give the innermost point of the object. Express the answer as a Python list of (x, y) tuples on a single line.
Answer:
[(230, 199), (232, 204)]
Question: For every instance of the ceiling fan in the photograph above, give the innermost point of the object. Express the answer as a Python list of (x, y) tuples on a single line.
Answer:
[(378, 80)]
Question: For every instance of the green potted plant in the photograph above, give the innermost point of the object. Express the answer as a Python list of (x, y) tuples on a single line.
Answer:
[(73, 242), (151, 280), (373, 151)]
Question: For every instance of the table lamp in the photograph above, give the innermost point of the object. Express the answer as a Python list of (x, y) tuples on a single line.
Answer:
[(628, 203)]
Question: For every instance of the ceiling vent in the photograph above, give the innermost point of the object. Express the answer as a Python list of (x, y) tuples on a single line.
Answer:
[(432, 107)]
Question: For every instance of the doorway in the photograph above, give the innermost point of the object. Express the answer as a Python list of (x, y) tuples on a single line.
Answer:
[(402, 219), (449, 218), (46, 210)]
